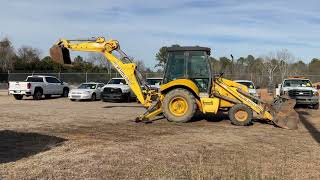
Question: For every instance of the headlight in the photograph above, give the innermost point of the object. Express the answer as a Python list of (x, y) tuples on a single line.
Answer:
[(125, 90), (316, 93)]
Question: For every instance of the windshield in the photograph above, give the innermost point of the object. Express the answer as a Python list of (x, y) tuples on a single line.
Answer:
[(297, 83), (87, 86), (154, 81), (197, 65), (34, 79), (248, 84), (117, 81)]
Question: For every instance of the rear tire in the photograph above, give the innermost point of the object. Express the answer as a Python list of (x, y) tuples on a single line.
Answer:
[(316, 106), (179, 105), (72, 100), (37, 94), (240, 115), (18, 96)]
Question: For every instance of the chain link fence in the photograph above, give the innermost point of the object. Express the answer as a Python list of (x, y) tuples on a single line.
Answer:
[(71, 78), (78, 78)]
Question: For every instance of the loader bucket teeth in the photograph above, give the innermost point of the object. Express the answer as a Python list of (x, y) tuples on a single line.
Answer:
[(284, 115), (60, 55)]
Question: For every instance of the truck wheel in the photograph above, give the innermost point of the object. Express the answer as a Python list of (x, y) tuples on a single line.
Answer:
[(65, 92), (240, 115), (93, 97), (37, 94), (18, 96), (179, 105), (316, 106), (128, 98)]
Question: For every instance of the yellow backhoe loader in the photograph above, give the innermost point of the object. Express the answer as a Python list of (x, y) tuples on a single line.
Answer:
[(188, 86)]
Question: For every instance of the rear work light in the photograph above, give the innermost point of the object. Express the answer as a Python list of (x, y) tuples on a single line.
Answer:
[(28, 85)]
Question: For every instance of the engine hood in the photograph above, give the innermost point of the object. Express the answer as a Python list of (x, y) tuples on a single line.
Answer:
[(80, 91), (121, 86)]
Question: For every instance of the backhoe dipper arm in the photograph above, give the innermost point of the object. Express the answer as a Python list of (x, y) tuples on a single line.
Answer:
[(127, 70)]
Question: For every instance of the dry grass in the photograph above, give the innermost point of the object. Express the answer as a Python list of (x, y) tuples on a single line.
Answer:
[(99, 141)]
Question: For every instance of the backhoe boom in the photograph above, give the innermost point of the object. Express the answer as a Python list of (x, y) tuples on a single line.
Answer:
[(127, 70)]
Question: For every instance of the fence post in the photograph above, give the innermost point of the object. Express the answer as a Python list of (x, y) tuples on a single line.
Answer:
[(86, 77), (8, 81)]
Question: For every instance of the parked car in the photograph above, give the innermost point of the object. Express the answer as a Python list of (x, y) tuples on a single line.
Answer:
[(250, 85), (117, 90), (154, 83), (37, 86), (299, 88), (86, 91)]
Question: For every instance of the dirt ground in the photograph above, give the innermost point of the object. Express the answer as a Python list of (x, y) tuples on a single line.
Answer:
[(60, 139)]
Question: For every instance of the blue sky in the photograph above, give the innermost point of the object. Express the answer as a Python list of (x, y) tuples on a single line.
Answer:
[(142, 27)]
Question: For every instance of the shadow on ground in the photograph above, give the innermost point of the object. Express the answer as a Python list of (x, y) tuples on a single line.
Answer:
[(123, 106), (42, 99), (18, 145), (314, 132)]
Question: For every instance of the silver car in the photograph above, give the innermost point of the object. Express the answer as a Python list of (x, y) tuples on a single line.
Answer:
[(86, 91), (250, 85)]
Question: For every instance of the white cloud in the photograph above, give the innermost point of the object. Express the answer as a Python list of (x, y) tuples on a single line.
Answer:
[(142, 27)]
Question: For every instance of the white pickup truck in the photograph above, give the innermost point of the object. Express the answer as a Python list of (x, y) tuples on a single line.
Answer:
[(37, 86), (299, 88)]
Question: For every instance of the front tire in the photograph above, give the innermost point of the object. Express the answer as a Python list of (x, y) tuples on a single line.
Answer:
[(179, 105), (126, 98), (316, 106), (65, 92), (93, 97), (18, 96), (240, 115)]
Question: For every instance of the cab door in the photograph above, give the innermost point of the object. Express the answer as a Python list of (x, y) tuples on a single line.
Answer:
[(50, 86), (54, 85)]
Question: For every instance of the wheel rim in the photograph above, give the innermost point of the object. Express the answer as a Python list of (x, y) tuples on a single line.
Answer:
[(93, 97), (178, 106), (241, 115)]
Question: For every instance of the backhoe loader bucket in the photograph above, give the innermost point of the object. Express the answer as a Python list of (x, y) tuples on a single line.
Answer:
[(60, 55), (284, 115)]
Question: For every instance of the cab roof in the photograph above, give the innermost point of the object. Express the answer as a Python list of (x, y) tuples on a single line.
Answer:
[(297, 77), (189, 48), (243, 81)]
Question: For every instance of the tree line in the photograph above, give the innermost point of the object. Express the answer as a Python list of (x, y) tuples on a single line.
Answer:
[(28, 59), (268, 69)]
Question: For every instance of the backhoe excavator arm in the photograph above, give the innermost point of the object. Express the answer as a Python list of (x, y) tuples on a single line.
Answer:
[(124, 66)]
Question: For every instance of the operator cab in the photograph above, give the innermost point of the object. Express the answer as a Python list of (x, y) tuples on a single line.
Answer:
[(189, 62)]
